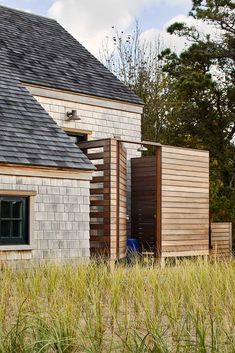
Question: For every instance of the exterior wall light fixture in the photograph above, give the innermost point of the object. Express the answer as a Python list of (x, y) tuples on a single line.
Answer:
[(73, 115), (142, 149)]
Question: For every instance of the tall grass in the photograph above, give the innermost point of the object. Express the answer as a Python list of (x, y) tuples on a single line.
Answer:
[(89, 308)]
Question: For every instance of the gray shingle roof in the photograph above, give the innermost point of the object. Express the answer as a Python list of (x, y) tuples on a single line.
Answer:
[(40, 51), (28, 135)]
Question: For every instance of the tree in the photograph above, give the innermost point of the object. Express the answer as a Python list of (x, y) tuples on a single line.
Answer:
[(203, 107), (135, 62), (189, 98)]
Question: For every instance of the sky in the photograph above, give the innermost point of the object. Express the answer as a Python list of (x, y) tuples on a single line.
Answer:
[(91, 21)]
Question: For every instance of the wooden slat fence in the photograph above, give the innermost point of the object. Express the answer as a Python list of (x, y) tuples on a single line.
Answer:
[(221, 239), (185, 202)]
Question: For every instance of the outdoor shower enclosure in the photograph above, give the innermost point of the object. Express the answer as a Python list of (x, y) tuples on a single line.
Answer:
[(169, 200)]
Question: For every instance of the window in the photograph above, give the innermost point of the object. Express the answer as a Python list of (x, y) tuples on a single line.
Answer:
[(14, 217), (77, 137)]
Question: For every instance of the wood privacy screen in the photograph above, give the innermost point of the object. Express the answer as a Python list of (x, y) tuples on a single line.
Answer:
[(170, 202), (221, 239), (108, 197), (185, 202)]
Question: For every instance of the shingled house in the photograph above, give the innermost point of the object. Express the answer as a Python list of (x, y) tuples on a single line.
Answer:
[(45, 74), (71, 171)]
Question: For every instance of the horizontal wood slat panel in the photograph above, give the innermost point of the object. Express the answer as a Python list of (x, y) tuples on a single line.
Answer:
[(188, 178), (193, 168), (100, 202), (185, 216), (186, 157), (190, 242), (191, 162), (94, 144), (98, 155), (100, 179), (197, 184), (99, 191), (202, 226), (185, 232), (185, 151), (221, 239), (188, 205), (187, 173), (185, 253), (98, 238), (191, 189), (185, 194), (186, 237), (177, 221), (181, 248), (185, 201)]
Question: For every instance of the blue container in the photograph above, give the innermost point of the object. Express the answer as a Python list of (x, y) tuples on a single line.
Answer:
[(133, 245)]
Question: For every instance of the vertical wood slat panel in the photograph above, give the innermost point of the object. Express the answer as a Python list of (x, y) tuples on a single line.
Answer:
[(221, 239), (122, 206), (185, 196), (143, 201)]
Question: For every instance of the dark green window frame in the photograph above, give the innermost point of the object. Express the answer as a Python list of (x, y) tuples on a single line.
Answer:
[(14, 220)]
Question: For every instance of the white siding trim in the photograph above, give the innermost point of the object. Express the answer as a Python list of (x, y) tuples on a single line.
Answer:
[(79, 98)]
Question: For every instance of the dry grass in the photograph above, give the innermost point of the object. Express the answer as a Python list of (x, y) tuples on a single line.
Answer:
[(88, 308)]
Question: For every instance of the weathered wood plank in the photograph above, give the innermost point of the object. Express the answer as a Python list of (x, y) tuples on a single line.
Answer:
[(203, 164), (184, 150), (187, 178), (185, 201), (221, 239), (187, 167), (185, 189), (185, 253)]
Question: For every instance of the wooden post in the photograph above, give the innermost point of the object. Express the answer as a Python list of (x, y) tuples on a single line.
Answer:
[(158, 247), (118, 198)]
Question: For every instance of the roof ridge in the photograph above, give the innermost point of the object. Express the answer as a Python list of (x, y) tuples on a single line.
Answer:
[(26, 12)]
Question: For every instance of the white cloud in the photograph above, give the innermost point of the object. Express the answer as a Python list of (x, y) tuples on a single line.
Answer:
[(175, 42), (90, 21), (177, 2), (166, 40)]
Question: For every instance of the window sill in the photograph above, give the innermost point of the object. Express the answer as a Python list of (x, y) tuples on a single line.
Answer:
[(16, 248)]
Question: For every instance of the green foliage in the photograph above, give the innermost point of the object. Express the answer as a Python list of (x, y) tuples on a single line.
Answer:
[(203, 105)]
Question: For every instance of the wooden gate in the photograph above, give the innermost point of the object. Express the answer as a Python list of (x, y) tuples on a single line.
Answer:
[(108, 197)]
